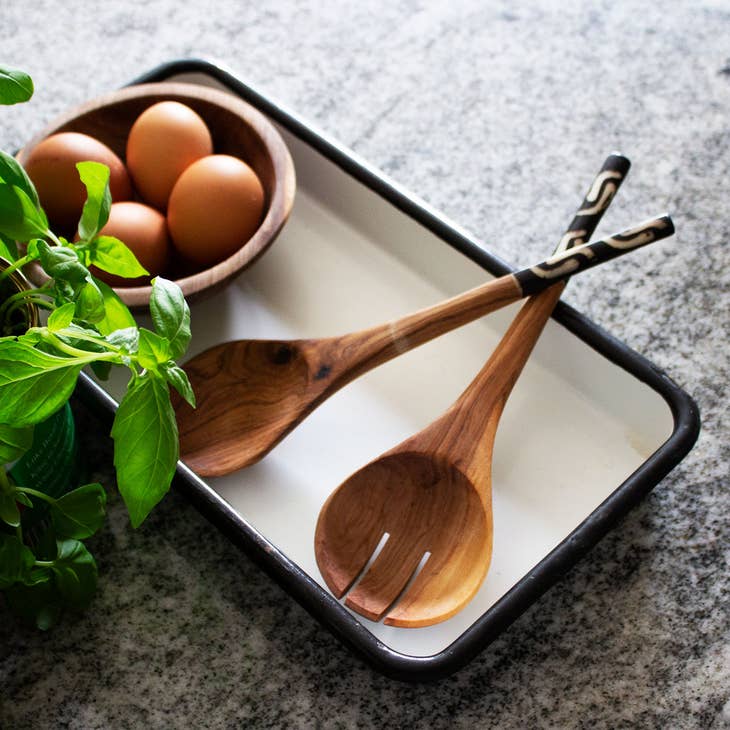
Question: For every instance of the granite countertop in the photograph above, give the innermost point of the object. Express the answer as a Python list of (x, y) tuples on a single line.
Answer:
[(479, 108)]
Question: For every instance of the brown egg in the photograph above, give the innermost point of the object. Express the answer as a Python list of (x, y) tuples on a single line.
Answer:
[(144, 230), (164, 140), (51, 166), (215, 207)]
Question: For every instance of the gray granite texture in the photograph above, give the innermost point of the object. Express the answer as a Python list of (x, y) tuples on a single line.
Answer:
[(478, 107)]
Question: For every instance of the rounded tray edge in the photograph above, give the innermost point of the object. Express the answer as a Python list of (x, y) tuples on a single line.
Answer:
[(320, 604)]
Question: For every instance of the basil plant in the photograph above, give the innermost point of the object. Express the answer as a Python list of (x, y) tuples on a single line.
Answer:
[(87, 324)]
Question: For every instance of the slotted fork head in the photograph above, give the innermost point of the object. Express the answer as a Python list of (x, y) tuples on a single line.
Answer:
[(425, 505)]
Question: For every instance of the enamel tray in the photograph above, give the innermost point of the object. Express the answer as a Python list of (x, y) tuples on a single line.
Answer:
[(358, 251)]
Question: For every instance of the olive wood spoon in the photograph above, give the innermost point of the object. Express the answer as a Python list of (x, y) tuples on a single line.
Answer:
[(251, 393), (431, 494)]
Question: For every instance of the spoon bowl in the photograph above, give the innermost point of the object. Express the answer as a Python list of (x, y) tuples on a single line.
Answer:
[(432, 493), (277, 372), (437, 533), (252, 393)]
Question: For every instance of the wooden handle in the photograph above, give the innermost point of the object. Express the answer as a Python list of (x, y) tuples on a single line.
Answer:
[(532, 317), (530, 321), (362, 351), (481, 404), (595, 203), (519, 340), (560, 266)]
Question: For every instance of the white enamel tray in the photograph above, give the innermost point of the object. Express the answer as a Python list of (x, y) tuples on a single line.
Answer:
[(357, 252)]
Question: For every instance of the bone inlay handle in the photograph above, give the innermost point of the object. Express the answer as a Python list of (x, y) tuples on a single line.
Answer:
[(566, 263), (596, 201), (362, 351)]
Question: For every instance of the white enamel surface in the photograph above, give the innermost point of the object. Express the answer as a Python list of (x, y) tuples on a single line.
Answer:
[(575, 427)]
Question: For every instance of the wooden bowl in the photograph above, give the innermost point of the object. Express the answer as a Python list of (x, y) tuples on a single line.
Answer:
[(237, 129)]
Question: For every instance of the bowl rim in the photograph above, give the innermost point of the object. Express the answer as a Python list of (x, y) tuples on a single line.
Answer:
[(279, 206)]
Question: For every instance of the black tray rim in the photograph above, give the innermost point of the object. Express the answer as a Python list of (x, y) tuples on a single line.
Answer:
[(315, 599)]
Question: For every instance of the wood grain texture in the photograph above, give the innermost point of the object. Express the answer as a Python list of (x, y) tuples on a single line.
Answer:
[(237, 129), (423, 503), (248, 400), (432, 494), (251, 393)]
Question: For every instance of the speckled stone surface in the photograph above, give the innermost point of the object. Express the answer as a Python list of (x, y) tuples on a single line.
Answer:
[(477, 107)]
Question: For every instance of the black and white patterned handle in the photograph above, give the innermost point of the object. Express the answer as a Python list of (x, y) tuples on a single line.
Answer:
[(580, 258), (596, 202)]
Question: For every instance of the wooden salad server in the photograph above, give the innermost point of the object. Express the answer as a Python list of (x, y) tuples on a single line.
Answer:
[(251, 393), (431, 495)]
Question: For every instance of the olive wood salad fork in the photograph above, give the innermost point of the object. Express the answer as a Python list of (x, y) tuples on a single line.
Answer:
[(251, 393), (429, 498)]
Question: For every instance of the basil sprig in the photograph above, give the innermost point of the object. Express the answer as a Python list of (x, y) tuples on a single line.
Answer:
[(87, 325), (15, 86)]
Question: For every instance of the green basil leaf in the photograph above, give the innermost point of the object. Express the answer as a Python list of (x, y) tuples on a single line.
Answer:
[(13, 173), (23, 499), (170, 315), (63, 292), (115, 257), (79, 513), (62, 263), (8, 249), (62, 317), (90, 302), (127, 339), (116, 314), (38, 602), (75, 572), (78, 337), (153, 350), (31, 250), (95, 177), (16, 560), (76, 332), (9, 512), (145, 446), (101, 369), (19, 217), (38, 574), (32, 336), (15, 86), (178, 379), (14, 442), (33, 384)]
